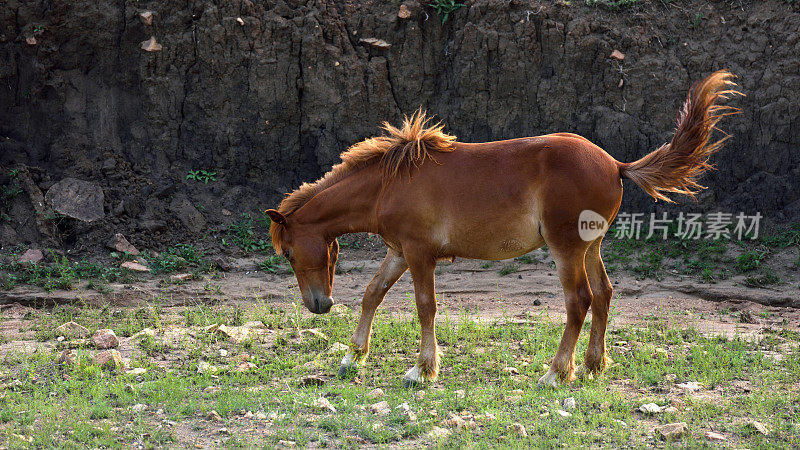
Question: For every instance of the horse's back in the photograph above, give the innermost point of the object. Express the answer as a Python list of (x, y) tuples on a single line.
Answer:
[(490, 200)]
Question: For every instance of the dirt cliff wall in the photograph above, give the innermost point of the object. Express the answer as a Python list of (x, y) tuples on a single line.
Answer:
[(268, 93)]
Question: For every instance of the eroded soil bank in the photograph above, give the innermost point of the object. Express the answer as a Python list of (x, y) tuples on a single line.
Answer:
[(266, 95)]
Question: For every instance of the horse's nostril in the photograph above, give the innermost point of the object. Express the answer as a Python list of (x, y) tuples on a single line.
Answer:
[(316, 305)]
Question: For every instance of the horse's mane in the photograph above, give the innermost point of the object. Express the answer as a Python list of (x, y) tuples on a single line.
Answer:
[(399, 149)]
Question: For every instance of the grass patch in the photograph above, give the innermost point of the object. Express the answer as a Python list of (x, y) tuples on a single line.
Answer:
[(179, 258), (61, 274), (82, 406), (243, 234)]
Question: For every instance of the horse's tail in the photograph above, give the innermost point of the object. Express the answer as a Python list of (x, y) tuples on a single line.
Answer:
[(676, 166)]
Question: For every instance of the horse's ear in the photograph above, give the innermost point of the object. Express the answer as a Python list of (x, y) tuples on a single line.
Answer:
[(276, 217)]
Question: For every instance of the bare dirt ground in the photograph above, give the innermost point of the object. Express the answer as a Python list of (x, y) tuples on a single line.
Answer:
[(481, 289)]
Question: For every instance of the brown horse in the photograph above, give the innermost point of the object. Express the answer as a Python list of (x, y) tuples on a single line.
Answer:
[(430, 198)]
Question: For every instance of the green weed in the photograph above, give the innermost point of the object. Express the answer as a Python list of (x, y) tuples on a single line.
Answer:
[(202, 175), (444, 8)]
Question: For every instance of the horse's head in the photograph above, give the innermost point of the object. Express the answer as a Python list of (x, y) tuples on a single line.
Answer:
[(312, 257)]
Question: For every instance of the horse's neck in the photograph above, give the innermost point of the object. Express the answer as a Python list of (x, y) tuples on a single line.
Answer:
[(346, 207)]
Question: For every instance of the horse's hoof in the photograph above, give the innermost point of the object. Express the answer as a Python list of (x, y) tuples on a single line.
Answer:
[(349, 368), (411, 384), (584, 373), (549, 379), (413, 378)]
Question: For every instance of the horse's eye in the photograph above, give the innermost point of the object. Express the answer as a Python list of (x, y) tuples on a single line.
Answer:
[(286, 255)]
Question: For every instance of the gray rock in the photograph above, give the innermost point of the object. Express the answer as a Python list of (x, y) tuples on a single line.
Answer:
[(78, 199), (189, 216)]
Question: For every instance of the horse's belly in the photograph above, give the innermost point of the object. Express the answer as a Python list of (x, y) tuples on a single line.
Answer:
[(498, 243)]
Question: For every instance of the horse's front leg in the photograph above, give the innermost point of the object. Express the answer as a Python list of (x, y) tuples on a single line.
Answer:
[(392, 268), (427, 367)]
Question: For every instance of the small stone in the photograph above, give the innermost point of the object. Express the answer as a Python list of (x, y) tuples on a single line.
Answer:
[(136, 371), (621, 83), (146, 17), (670, 377), (139, 407), (287, 444), (518, 429), (460, 393), (376, 43), (225, 212), (439, 433), (569, 403), (213, 416), (205, 367), (261, 415), (72, 330), (145, 332), (618, 55), (404, 407), (151, 45), (223, 353), (134, 266), (650, 408), (758, 426), (314, 332), (120, 244), (248, 415), (323, 403), (563, 413), (105, 338), (537, 302), (403, 12), (181, 277), (66, 357), (240, 20), (30, 40), (224, 430), (340, 310), (672, 431), (311, 380), (245, 366), (109, 359), (455, 422), (381, 408), (32, 256), (714, 436), (690, 386), (28, 439), (621, 423), (376, 393), (337, 347)]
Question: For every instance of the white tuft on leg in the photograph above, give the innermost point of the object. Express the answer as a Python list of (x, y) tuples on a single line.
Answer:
[(414, 375), (549, 379)]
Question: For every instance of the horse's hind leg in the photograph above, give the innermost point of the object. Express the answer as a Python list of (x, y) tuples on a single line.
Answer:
[(427, 367), (392, 268), (578, 297), (596, 358)]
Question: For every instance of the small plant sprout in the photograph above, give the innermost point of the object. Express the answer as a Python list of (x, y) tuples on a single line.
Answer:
[(202, 175), (444, 8)]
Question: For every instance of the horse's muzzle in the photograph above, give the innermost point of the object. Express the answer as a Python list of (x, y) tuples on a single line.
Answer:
[(321, 305)]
